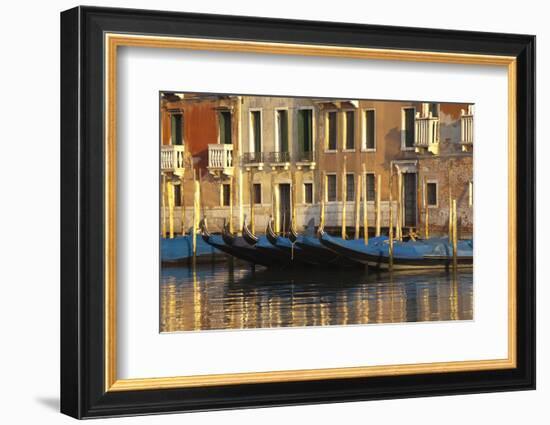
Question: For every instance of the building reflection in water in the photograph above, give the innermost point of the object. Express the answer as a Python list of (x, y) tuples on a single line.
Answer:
[(224, 296)]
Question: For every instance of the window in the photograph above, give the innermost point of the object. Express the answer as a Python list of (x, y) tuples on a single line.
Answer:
[(434, 109), (305, 130), (256, 130), (282, 130), (308, 193), (224, 125), (408, 127), (369, 130), (431, 194), (350, 187), (350, 129), (332, 131), (177, 195), (470, 193), (176, 129), (226, 195), (257, 189), (371, 187), (331, 187)]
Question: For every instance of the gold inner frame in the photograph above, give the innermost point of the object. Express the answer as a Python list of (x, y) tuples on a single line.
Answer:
[(112, 41)]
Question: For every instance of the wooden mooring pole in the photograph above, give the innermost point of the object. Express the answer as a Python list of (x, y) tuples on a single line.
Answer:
[(426, 211), (231, 204), (293, 197), (399, 224), (378, 195), (344, 200), (182, 203), (357, 206), (390, 227), (365, 210), (455, 236), (252, 218), (323, 197), (171, 209), (196, 212), (163, 201), (450, 203)]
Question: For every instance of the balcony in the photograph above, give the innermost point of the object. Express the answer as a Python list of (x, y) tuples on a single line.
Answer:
[(305, 160), (172, 159), (426, 133), (253, 159), (278, 159), (220, 159), (467, 130)]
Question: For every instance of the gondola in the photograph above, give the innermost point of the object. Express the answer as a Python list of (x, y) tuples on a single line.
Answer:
[(308, 247), (289, 247), (434, 253), (280, 248), (248, 236), (180, 249), (234, 245), (266, 245)]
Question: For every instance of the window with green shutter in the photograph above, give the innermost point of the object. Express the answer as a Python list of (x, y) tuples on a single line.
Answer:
[(350, 130), (256, 128), (225, 127), (332, 131), (176, 129), (369, 130), (305, 130), (409, 127), (282, 130)]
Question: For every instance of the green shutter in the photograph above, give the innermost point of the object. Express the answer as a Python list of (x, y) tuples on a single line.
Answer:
[(301, 129), (256, 122), (305, 130), (332, 131), (283, 131), (176, 129), (370, 130), (350, 130), (409, 117), (225, 127)]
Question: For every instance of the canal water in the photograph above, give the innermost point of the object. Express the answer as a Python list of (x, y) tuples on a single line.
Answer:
[(229, 295)]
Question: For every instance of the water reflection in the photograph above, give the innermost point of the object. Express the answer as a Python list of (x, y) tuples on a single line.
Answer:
[(232, 296)]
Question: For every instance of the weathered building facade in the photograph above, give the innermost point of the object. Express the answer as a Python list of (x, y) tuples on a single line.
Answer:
[(275, 152)]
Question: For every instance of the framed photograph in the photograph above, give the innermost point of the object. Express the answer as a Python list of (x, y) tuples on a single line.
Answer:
[(261, 212)]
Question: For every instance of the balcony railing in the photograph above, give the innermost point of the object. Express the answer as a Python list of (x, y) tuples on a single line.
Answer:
[(467, 130), (253, 158), (172, 158), (220, 158), (278, 157), (305, 159), (305, 156)]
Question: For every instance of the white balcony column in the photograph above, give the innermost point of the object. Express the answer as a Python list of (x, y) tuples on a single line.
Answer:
[(220, 158), (467, 129), (172, 159), (426, 131)]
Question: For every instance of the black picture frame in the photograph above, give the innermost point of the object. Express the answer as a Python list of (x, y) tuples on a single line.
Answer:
[(82, 206)]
